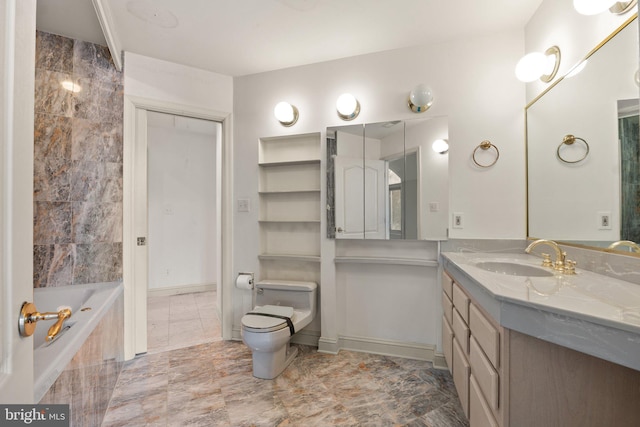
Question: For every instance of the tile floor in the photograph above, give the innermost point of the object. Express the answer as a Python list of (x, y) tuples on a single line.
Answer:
[(211, 384), (179, 321)]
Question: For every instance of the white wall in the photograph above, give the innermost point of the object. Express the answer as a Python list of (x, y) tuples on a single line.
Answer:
[(474, 86), (181, 201)]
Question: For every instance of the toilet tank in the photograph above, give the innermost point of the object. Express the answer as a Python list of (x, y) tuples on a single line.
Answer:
[(299, 295)]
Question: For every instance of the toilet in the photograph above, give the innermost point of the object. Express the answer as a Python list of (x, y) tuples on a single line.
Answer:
[(281, 309)]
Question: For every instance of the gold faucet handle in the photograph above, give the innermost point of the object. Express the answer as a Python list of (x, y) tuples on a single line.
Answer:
[(54, 330), (546, 260), (570, 267)]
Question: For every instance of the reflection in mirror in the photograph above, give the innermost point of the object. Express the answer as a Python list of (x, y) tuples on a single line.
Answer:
[(384, 181), (595, 201)]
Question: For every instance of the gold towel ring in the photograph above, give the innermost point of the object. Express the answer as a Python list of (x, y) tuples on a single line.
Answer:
[(568, 140), (485, 145)]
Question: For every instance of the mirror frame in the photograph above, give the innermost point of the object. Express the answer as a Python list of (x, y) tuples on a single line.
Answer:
[(624, 25)]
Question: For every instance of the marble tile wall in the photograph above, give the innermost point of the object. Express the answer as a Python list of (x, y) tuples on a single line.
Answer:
[(77, 164), (88, 381)]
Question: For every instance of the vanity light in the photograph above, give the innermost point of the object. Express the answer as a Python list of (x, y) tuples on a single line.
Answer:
[(71, 86), (594, 7), (286, 113), (347, 106), (420, 98), (440, 146), (536, 65)]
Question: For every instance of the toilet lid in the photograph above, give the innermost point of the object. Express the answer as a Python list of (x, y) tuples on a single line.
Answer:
[(266, 323)]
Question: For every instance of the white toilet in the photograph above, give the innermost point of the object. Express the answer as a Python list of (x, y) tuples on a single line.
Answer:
[(281, 309)]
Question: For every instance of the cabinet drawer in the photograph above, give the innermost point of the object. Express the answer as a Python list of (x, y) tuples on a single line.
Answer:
[(447, 308), (447, 343), (486, 376), (461, 372), (460, 331), (479, 412), (447, 283), (487, 335), (461, 302)]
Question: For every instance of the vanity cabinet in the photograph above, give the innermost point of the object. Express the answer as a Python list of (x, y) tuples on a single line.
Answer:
[(507, 378), (471, 343), (289, 219)]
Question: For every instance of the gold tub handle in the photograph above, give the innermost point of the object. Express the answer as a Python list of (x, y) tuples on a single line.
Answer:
[(29, 316)]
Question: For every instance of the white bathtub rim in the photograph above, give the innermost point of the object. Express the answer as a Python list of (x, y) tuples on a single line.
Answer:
[(50, 362)]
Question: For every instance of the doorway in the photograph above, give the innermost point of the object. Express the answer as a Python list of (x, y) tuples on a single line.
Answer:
[(159, 270)]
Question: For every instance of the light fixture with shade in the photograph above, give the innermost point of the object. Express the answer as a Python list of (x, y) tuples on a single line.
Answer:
[(347, 106), (440, 146), (286, 113), (537, 65), (420, 98), (594, 7)]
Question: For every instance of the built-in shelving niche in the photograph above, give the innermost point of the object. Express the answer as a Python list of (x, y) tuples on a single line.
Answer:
[(289, 220)]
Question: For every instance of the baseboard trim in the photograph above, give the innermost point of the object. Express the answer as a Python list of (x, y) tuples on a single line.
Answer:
[(182, 289), (306, 338), (329, 346), (388, 348), (439, 362)]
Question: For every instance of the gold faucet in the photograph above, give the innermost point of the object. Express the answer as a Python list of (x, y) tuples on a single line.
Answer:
[(29, 315), (560, 256), (634, 246)]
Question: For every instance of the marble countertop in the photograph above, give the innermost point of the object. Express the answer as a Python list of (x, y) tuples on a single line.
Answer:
[(588, 312)]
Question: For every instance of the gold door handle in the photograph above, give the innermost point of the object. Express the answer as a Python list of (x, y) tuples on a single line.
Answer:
[(29, 316)]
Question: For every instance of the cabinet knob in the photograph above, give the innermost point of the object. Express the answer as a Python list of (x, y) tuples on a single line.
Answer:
[(339, 230)]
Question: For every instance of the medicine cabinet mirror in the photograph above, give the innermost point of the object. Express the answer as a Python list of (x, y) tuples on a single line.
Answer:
[(385, 182), (588, 192)]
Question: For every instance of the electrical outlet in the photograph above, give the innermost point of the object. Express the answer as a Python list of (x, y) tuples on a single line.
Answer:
[(604, 220), (434, 207), (244, 205), (458, 220)]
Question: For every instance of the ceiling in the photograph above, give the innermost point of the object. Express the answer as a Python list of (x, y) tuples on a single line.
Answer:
[(240, 37)]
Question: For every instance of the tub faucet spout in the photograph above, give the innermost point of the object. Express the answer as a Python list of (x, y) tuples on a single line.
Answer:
[(560, 256)]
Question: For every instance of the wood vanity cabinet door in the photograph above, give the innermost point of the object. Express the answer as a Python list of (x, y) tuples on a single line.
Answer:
[(487, 335), (447, 283), (479, 411), (461, 372), (447, 343), (461, 331), (461, 302), (447, 308), (486, 376)]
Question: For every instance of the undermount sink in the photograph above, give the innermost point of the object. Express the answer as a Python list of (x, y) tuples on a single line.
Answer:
[(513, 269)]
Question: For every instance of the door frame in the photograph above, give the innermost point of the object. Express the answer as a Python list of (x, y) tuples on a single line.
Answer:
[(134, 262)]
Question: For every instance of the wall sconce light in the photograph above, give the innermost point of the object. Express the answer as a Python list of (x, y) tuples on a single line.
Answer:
[(420, 98), (594, 7), (440, 146), (536, 65), (286, 113), (347, 106)]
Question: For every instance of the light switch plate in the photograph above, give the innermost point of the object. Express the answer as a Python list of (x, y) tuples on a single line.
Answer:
[(244, 205)]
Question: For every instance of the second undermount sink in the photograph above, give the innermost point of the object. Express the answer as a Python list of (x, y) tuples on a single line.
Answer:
[(513, 269)]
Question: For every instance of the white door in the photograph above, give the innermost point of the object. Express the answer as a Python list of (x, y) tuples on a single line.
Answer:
[(375, 200), (349, 197), (17, 56)]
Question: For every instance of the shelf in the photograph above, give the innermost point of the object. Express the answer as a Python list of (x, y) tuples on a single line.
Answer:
[(289, 257), (266, 193), (289, 221), (386, 260), (290, 163)]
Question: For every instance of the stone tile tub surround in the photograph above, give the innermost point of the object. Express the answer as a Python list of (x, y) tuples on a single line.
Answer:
[(87, 382), (77, 164)]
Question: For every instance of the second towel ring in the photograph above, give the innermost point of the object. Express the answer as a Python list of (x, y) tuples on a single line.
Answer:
[(485, 145), (568, 140)]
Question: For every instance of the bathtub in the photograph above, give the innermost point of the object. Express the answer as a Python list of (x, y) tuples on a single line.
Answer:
[(88, 304)]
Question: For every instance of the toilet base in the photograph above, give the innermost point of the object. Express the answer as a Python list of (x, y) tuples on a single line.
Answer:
[(267, 366)]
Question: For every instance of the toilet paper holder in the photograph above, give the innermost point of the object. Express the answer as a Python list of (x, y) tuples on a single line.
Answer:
[(251, 279)]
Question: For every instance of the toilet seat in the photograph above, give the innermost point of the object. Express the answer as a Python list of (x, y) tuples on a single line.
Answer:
[(261, 324)]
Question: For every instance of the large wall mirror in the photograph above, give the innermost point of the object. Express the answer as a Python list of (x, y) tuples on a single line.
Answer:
[(588, 192), (384, 181)]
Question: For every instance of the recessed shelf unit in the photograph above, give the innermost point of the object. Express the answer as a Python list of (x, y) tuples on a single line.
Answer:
[(289, 220)]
